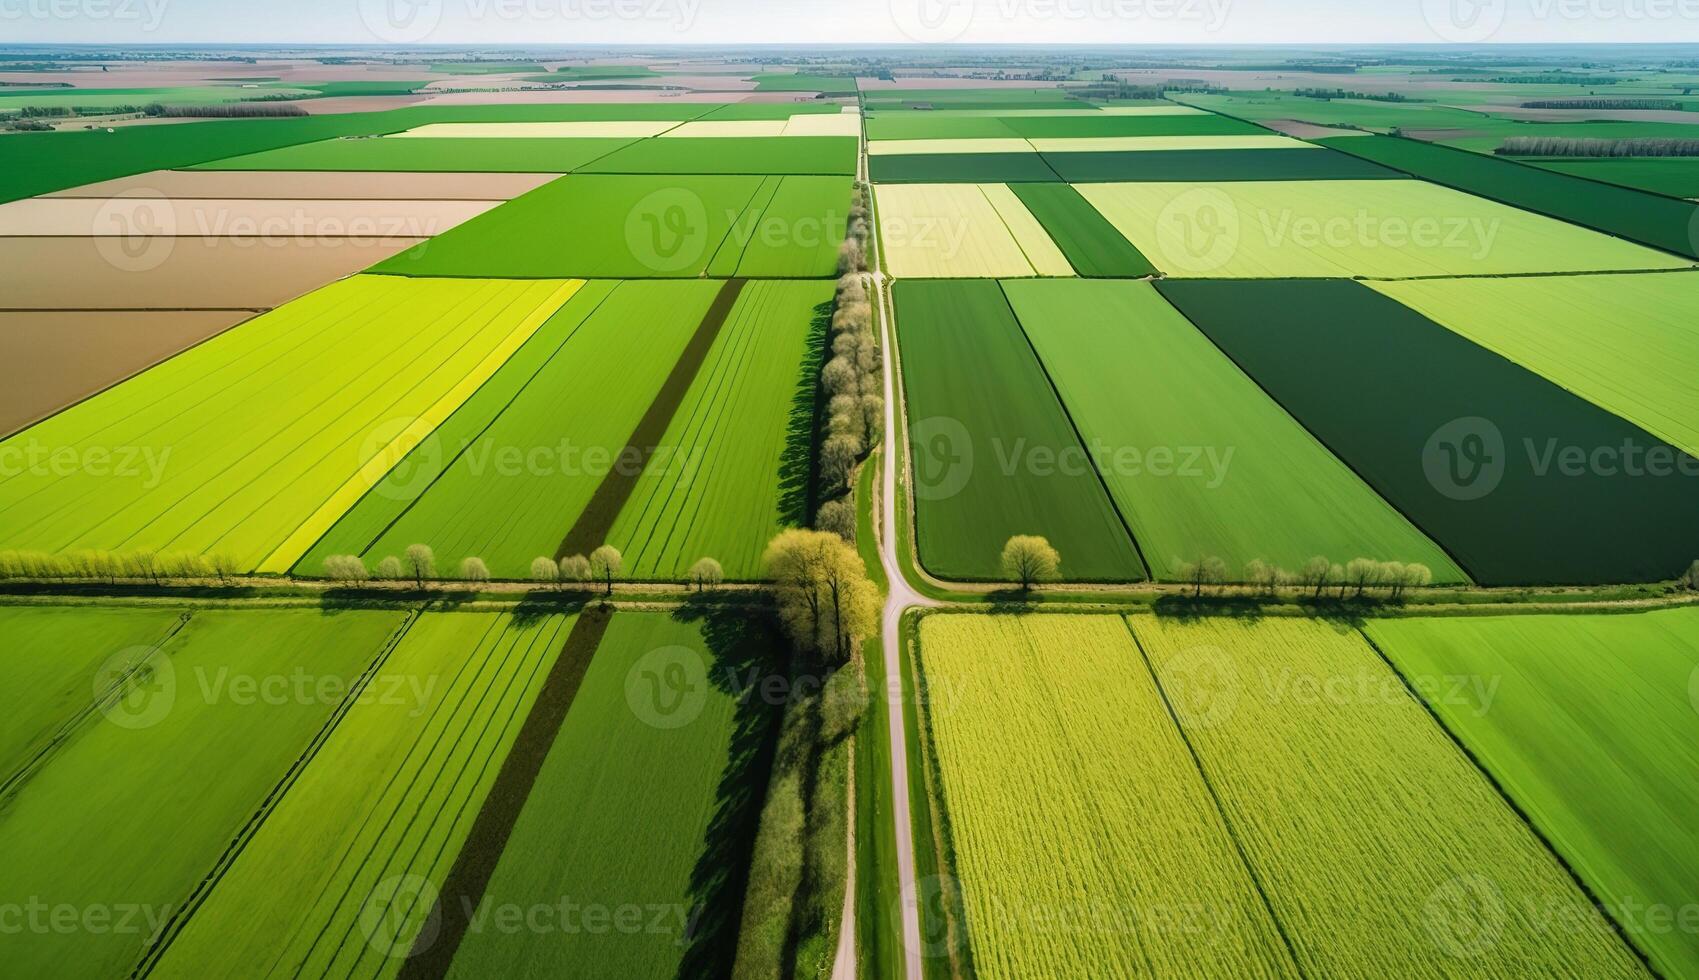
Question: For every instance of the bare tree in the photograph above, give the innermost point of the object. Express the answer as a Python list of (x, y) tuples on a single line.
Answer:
[(1361, 574), (1313, 575), (1029, 559), (574, 568), (606, 564), (390, 568), (1208, 570), (224, 566), (706, 574), (474, 570), (421, 563), (544, 570)]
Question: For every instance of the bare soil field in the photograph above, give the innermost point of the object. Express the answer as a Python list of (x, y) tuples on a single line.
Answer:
[(1309, 131), (319, 185), (52, 360), (262, 222), (175, 273)]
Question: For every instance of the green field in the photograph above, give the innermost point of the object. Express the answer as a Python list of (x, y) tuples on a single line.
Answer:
[(778, 81), (655, 794), (1674, 176), (1092, 245), (392, 792), (139, 802), (1349, 228), (638, 227), (1629, 344), (447, 154), (740, 446), (58, 657), (110, 99), (994, 454), (1352, 806), (1646, 218), (936, 125), (248, 444), (1520, 480), (973, 168), (732, 155), (1080, 126), (795, 234), (1211, 165), (1084, 839), (1199, 460), (505, 479), (1588, 723)]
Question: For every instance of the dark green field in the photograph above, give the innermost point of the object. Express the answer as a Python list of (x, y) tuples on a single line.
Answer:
[(1478, 452), (1090, 242), (1271, 164), (994, 455)]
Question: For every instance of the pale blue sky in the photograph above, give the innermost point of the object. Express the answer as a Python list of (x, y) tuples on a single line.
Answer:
[(846, 21)]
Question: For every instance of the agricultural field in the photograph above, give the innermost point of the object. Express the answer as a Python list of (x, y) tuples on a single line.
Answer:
[(509, 476), (1090, 242), (1542, 691), (121, 813), (1085, 840), (659, 797), (1198, 458), (249, 445), (1470, 457), (516, 154), (1351, 805), (994, 453), (1349, 228), (819, 155), (392, 791), (1629, 344), (931, 231), (1670, 176)]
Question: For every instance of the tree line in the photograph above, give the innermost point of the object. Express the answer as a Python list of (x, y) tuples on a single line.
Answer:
[(852, 381), (1604, 104), (1560, 146)]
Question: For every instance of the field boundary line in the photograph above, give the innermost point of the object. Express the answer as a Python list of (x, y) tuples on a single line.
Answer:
[(593, 524), (161, 941), (374, 469), (1525, 816), (1079, 437), (463, 888), (1214, 797)]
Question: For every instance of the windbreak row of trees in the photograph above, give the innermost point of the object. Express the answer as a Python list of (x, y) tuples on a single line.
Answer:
[(1319, 576), (1604, 104), (1559, 146), (852, 380)]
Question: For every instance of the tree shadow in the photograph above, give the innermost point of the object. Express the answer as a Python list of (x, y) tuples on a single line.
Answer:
[(1189, 607), (743, 644), (1013, 600), (798, 475)]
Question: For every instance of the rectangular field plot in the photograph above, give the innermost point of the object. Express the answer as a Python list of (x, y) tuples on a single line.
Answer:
[(1191, 165), (949, 147), (994, 454), (658, 798), (642, 227), (243, 446), (945, 168), (739, 449), (1530, 695), (945, 231), (1671, 176), (141, 799), (261, 224), (1198, 459), (1629, 344), (392, 792), (1109, 125), (1351, 805), (1157, 144), (318, 185), (1090, 243), (593, 129), (1346, 228), (933, 126), (1097, 810), (508, 475), (463, 153), (1521, 481), (722, 155)]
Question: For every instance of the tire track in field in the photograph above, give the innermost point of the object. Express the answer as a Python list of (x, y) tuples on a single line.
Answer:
[(594, 523), (463, 889)]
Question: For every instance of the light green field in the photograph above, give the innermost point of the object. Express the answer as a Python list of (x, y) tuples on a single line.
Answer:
[(1085, 840), (1199, 459), (452, 154), (393, 792), (739, 446), (110, 99), (55, 657), (236, 445), (128, 815), (1346, 228), (644, 807), (510, 491), (943, 231), (1629, 344), (1590, 723), (1353, 807)]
